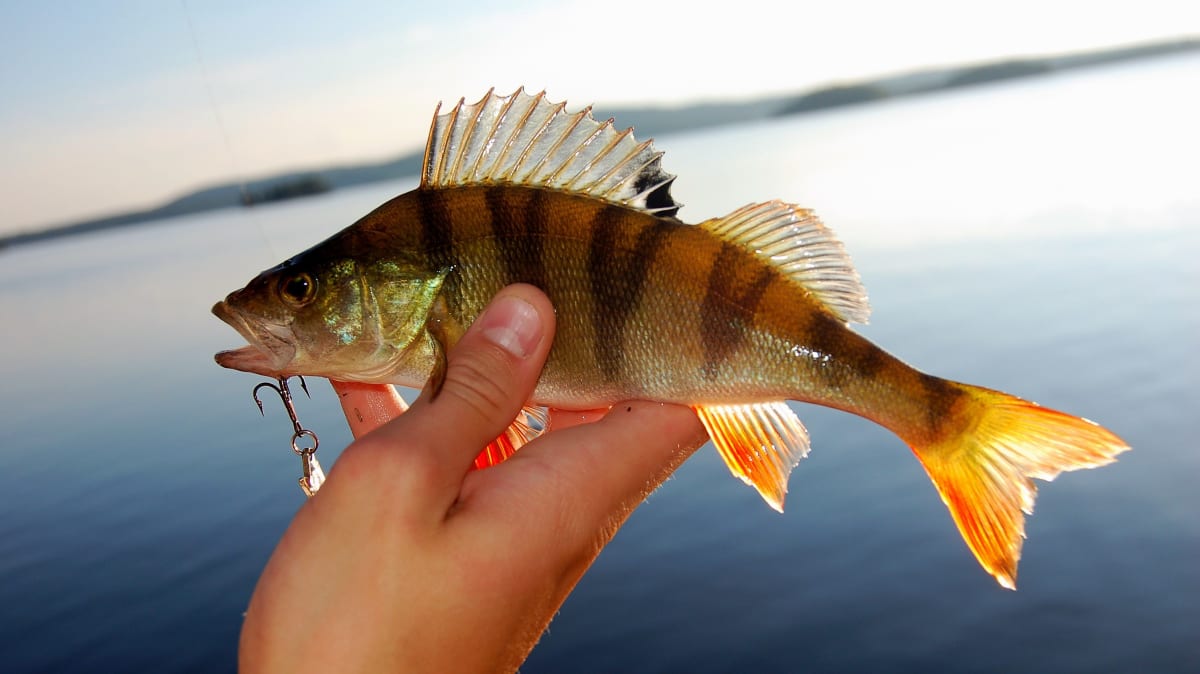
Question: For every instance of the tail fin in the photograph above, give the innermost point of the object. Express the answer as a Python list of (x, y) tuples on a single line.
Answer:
[(983, 471)]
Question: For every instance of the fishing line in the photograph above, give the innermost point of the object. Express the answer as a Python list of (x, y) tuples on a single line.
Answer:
[(243, 188)]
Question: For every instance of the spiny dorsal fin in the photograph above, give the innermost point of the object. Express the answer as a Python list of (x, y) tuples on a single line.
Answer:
[(760, 443), (521, 139), (795, 241)]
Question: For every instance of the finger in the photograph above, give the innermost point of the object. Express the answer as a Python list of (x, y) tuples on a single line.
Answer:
[(368, 406), (647, 435), (490, 374), (603, 470)]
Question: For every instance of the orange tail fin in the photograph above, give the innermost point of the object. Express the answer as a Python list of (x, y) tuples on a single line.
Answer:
[(984, 471)]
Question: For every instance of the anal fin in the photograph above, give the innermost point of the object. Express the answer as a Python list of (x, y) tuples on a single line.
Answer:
[(528, 425), (760, 442)]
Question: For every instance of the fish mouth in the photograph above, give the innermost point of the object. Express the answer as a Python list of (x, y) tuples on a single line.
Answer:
[(272, 345)]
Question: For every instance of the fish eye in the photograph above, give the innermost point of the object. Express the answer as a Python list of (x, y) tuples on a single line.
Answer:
[(297, 289)]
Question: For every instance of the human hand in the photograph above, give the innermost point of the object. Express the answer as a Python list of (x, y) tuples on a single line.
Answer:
[(409, 560)]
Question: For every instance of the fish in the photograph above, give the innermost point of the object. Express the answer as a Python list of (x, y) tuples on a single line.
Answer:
[(732, 317)]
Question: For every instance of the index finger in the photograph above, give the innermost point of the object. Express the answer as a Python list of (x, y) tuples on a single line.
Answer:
[(603, 469)]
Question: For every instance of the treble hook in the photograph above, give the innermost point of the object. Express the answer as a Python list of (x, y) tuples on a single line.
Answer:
[(286, 395), (313, 476)]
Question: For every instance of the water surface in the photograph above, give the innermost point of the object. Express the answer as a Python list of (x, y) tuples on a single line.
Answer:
[(1037, 237)]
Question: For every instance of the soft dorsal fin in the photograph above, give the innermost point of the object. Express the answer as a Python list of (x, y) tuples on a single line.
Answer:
[(521, 139), (795, 241)]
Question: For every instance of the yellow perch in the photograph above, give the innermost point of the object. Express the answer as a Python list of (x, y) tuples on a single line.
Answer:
[(733, 316)]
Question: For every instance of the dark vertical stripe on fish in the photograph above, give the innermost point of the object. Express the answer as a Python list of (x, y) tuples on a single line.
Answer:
[(824, 336), (437, 238), (727, 314), (538, 226), (940, 396), (872, 362), (617, 274), (603, 257), (520, 240)]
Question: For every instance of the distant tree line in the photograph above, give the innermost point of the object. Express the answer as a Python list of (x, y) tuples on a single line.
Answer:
[(288, 189), (993, 72), (834, 97)]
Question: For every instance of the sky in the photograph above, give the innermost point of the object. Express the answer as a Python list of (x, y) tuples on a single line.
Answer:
[(114, 105)]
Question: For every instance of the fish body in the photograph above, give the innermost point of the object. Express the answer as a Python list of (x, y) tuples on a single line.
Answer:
[(732, 316)]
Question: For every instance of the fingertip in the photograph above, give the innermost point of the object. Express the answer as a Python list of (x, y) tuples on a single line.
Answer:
[(677, 421), (519, 320)]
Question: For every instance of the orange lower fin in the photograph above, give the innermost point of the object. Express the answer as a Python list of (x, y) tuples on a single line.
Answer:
[(528, 425), (983, 472), (760, 442)]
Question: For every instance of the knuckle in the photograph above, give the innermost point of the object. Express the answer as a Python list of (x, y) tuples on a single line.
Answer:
[(403, 478), (381, 462)]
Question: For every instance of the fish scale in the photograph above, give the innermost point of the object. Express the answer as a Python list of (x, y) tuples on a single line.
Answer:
[(732, 317)]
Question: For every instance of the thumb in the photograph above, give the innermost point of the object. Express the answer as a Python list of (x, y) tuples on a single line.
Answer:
[(490, 374)]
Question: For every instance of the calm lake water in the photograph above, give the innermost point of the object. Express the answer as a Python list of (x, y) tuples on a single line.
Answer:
[(1038, 237)]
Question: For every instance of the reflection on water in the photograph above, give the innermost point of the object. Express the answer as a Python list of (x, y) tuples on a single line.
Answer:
[(1036, 237)]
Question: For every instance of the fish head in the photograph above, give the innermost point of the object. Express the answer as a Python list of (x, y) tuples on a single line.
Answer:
[(335, 316)]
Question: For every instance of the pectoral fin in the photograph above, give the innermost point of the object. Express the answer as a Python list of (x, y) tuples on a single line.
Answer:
[(760, 442)]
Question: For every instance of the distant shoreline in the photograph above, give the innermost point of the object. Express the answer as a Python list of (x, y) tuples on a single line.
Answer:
[(647, 122)]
